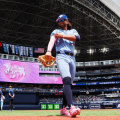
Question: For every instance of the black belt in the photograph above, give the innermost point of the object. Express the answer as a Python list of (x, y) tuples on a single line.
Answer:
[(67, 53)]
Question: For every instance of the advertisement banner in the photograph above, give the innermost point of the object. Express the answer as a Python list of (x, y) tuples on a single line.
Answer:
[(43, 106), (94, 106), (56, 106), (50, 106), (22, 72)]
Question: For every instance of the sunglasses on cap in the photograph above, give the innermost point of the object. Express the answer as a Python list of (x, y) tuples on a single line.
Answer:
[(61, 20)]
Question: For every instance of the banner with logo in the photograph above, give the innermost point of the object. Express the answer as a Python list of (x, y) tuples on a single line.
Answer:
[(27, 51), (94, 106), (24, 51), (50, 106), (118, 106), (4, 47), (7, 46), (31, 51), (21, 50), (13, 49), (56, 106), (43, 106), (16, 49)]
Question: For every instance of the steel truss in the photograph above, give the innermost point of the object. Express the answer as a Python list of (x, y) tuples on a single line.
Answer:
[(30, 23)]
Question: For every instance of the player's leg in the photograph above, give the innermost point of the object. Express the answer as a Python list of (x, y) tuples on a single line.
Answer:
[(72, 69), (63, 67), (67, 90), (73, 110), (11, 104), (1, 105), (64, 101)]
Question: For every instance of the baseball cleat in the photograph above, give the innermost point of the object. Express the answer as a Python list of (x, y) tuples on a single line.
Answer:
[(74, 111), (63, 111)]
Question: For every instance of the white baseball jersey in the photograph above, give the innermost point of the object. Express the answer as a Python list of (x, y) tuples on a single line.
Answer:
[(64, 44), (66, 63)]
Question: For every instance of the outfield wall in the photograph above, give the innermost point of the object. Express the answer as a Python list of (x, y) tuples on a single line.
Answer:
[(57, 106), (30, 101), (109, 105)]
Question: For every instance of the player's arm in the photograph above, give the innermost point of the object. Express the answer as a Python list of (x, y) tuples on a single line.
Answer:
[(2, 96), (13, 95), (68, 37), (10, 94), (50, 45)]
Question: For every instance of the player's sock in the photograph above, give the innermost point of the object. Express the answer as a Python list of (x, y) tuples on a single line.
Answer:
[(67, 90)]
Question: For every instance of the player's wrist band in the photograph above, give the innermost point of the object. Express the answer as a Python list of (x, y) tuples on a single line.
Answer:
[(77, 38)]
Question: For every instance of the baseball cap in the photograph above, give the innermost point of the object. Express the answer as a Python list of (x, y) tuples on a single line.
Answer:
[(62, 16)]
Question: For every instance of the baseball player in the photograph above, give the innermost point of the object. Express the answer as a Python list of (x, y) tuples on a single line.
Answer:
[(1, 96), (2, 102), (64, 38)]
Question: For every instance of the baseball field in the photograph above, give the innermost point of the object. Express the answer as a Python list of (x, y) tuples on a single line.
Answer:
[(103, 114)]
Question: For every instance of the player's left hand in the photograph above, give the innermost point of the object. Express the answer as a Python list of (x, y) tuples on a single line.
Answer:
[(46, 60), (58, 35)]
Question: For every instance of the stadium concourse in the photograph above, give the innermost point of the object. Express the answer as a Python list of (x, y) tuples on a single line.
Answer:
[(25, 28)]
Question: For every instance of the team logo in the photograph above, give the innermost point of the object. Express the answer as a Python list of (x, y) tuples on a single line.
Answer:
[(118, 106), (14, 71), (73, 44), (60, 16)]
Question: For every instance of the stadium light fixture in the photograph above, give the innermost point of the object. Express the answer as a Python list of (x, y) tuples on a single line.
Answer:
[(104, 50), (90, 51)]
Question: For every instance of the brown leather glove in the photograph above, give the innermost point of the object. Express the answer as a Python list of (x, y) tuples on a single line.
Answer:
[(46, 60)]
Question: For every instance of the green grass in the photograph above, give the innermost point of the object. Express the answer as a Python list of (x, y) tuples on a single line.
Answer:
[(56, 113)]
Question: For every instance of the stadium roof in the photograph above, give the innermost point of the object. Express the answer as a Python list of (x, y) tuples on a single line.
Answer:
[(114, 5), (30, 23)]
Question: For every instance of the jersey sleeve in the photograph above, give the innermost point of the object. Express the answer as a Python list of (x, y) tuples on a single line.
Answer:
[(76, 35), (75, 32), (54, 31)]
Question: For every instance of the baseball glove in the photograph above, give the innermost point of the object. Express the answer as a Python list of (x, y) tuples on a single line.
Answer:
[(46, 60)]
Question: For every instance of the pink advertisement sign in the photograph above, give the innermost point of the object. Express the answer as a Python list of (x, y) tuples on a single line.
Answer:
[(24, 72)]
